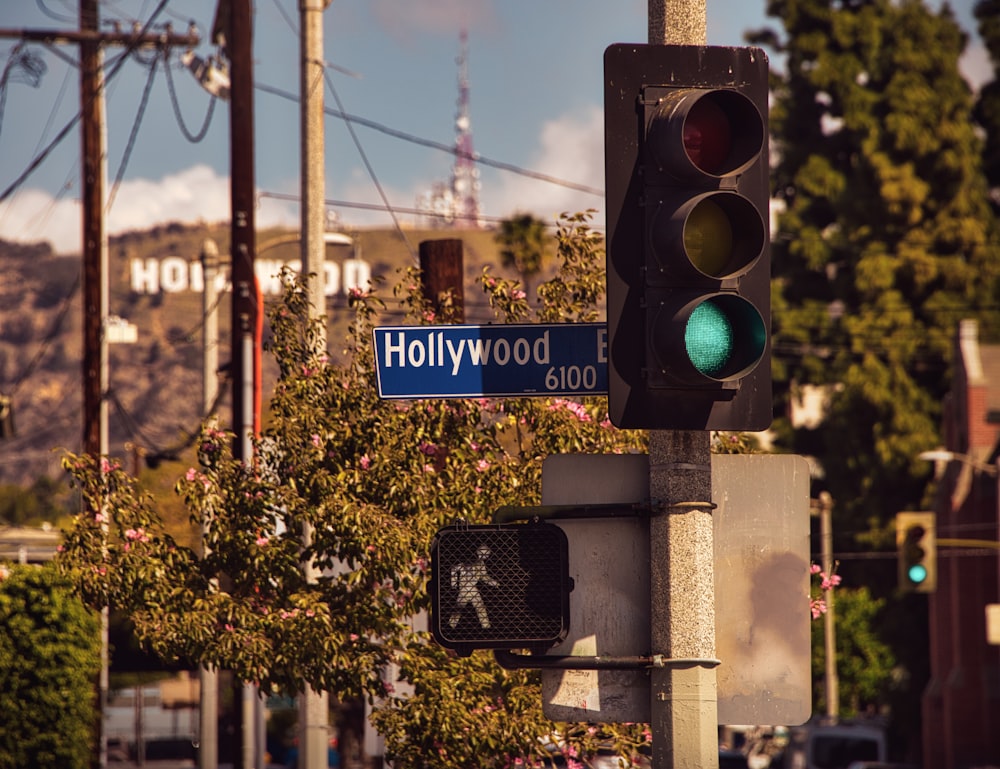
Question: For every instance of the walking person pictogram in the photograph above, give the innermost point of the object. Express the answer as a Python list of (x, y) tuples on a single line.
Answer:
[(466, 578)]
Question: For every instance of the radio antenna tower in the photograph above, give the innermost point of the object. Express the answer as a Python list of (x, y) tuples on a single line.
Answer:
[(455, 204), (464, 174)]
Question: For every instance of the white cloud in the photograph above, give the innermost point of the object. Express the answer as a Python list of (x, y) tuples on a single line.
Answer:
[(194, 194), (403, 20), (571, 148)]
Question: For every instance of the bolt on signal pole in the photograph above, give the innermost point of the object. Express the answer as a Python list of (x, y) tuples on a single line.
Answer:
[(683, 701)]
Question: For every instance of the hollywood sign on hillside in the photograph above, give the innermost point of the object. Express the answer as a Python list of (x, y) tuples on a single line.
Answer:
[(175, 274)]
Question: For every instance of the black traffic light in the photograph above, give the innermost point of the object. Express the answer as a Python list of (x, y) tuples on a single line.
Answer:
[(502, 586), (688, 251), (916, 548)]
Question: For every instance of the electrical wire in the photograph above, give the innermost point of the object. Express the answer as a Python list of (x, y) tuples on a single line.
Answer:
[(130, 144), (194, 138), (52, 14), (113, 70), (451, 150), (368, 165)]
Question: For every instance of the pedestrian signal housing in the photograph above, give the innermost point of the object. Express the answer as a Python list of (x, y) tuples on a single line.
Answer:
[(916, 547), (688, 249), (501, 586)]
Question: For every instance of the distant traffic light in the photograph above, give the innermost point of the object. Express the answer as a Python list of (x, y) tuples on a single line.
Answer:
[(916, 547), (688, 250), (501, 586)]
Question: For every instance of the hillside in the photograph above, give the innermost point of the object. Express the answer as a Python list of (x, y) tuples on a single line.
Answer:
[(155, 388)]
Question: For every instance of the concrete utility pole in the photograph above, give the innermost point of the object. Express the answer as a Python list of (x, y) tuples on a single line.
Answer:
[(314, 707), (829, 619), (208, 696), (683, 702)]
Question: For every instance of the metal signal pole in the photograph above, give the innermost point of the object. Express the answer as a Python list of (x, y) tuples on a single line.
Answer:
[(683, 700)]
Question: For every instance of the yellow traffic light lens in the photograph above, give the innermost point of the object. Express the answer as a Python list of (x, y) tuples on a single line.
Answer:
[(708, 239), (708, 339)]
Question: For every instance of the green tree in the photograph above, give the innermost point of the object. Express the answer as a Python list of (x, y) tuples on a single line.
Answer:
[(49, 660), (524, 245), (42, 501), (375, 479), (885, 242), (864, 661), (987, 110)]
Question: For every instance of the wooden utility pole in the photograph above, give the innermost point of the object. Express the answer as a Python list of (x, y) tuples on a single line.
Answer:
[(441, 265), (95, 247), (246, 315), (683, 700)]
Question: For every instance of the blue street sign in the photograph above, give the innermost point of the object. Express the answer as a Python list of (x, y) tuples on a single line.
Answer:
[(496, 361)]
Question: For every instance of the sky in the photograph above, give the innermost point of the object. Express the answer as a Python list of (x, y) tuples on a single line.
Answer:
[(536, 89)]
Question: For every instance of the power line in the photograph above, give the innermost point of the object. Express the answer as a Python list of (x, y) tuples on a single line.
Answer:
[(194, 138), (133, 134), (397, 134), (368, 165)]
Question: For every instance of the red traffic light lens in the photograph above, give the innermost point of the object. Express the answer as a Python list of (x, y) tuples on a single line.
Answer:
[(708, 136), (705, 133)]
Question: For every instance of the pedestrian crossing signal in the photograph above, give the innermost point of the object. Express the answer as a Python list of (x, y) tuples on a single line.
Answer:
[(503, 586)]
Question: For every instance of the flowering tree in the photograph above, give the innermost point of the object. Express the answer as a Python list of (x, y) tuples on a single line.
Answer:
[(374, 480)]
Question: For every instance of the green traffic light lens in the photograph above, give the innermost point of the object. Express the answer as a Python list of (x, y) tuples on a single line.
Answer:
[(917, 573), (708, 339)]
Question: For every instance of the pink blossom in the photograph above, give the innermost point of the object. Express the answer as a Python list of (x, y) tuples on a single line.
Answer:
[(353, 636), (518, 294), (428, 468), (100, 517), (818, 607), (229, 628), (315, 440), (261, 541), (815, 569), (366, 462), (831, 582), (191, 474), (429, 316), (482, 466), (427, 448)]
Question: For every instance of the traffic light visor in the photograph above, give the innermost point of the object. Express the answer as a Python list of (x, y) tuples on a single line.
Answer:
[(706, 132), (720, 338)]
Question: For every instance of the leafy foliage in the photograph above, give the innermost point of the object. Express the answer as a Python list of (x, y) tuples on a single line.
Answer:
[(371, 481), (49, 659), (864, 662), (886, 240)]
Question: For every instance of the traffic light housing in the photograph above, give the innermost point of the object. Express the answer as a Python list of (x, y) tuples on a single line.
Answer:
[(688, 249), (502, 586), (916, 548)]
